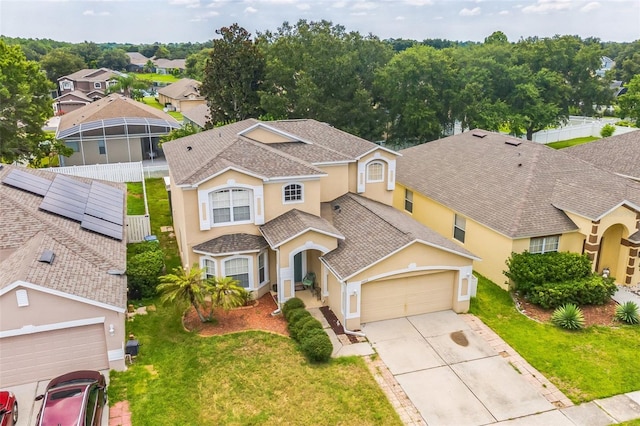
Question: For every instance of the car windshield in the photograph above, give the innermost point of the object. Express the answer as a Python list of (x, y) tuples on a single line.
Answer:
[(63, 407)]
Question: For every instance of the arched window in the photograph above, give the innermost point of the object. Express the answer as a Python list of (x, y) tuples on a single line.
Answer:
[(292, 193), (231, 205), (375, 172)]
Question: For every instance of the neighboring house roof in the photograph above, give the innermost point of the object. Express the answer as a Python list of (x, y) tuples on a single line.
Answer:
[(114, 106), (619, 154), (202, 155), (232, 243), (100, 74), (294, 223), (373, 231), (170, 63), (75, 96), (82, 258), (137, 58), (516, 187), (198, 115), (182, 89)]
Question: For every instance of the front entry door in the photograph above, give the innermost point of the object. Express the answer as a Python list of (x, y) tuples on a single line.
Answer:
[(297, 267)]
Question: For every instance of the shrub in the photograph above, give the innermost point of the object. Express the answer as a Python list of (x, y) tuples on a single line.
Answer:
[(568, 316), (304, 324), (313, 324), (607, 130), (143, 271), (628, 312), (143, 247), (593, 290), (296, 315), (289, 305), (316, 346)]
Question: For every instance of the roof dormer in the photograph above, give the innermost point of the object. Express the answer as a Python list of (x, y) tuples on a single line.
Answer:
[(264, 133)]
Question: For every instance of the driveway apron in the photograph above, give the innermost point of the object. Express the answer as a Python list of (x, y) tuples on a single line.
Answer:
[(451, 374)]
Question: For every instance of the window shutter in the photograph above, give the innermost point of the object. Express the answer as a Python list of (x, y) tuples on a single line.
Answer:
[(258, 205), (204, 210), (391, 179), (361, 176)]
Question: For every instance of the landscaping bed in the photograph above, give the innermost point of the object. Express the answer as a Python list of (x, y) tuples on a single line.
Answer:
[(593, 314)]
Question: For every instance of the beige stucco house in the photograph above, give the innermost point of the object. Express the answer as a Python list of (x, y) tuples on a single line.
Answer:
[(494, 195), (83, 87), (62, 289), (269, 202), (183, 95), (114, 129)]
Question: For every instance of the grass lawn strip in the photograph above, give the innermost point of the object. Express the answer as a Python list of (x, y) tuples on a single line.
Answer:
[(160, 216), (585, 365), (135, 198), (572, 142)]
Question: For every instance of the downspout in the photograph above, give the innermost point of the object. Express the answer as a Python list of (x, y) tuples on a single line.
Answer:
[(346, 306), (279, 310)]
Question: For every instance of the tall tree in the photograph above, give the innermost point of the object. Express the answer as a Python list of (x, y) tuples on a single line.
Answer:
[(196, 63), (89, 51), (129, 85), (25, 105), (115, 59), (630, 101), (61, 62), (232, 76)]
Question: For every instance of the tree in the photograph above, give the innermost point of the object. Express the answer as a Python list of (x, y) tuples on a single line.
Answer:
[(149, 66), (130, 85), (162, 52), (232, 76), (225, 293), (89, 51), (61, 62), (630, 102), (115, 59), (196, 63), (185, 288), (186, 130), (25, 105)]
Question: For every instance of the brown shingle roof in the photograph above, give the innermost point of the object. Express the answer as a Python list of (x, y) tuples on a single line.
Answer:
[(293, 223), (233, 243), (198, 114), (519, 191), (112, 106), (373, 231), (181, 89), (82, 257), (99, 74), (619, 154)]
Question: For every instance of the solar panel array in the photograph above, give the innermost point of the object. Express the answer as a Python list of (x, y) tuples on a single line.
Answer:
[(98, 207)]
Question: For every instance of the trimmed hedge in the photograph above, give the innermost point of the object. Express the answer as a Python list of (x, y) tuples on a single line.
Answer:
[(291, 304), (296, 327), (316, 346), (306, 330), (296, 314), (143, 270), (593, 290)]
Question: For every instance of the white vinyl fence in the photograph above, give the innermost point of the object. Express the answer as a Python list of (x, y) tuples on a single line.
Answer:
[(116, 172), (591, 128), (138, 227)]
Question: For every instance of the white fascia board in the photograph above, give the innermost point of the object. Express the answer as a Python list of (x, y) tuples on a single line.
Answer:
[(335, 274), (333, 163), (376, 148), (620, 204), (58, 293), (235, 253), (31, 329), (274, 130), (295, 178), (257, 176), (339, 237)]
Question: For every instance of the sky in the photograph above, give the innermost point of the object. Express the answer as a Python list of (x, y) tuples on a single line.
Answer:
[(166, 21)]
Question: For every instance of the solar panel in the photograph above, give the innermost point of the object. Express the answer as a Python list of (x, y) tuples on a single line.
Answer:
[(27, 181), (66, 197), (103, 227), (105, 202)]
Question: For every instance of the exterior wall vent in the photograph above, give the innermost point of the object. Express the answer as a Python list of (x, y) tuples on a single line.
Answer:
[(47, 256), (513, 143), (22, 298)]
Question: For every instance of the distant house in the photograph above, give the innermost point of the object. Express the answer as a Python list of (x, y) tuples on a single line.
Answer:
[(63, 293), (182, 95), (83, 87), (198, 116), (112, 130), (137, 61), (167, 66), (606, 65)]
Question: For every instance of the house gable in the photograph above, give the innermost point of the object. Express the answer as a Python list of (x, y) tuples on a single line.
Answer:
[(264, 133)]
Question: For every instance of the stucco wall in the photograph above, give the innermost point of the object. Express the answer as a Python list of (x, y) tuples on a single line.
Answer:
[(275, 206), (337, 182)]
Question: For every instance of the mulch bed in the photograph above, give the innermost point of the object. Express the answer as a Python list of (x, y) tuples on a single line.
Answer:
[(593, 314), (256, 317), (335, 324)]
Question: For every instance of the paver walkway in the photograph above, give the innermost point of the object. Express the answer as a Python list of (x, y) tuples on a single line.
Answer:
[(119, 414)]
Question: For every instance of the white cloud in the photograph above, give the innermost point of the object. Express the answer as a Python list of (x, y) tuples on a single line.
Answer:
[(339, 4), (590, 6), (503, 12), (400, 18), (188, 3), (364, 5), (205, 16), (93, 13), (250, 10), (470, 12), (304, 6), (544, 6), (419, 2)]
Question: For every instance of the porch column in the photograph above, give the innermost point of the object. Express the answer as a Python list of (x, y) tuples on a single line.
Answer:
[(631, 261), (591, 246)]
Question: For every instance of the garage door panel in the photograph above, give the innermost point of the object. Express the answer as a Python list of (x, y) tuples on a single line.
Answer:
[(407, 296), (48, 354)]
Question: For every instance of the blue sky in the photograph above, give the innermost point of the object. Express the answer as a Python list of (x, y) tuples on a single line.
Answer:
[(148, 21)]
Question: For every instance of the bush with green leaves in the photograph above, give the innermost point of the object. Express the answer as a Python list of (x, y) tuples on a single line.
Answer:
[(569, 317), (143, 247), (607, 130), (299, 329), (143, 271), (296, 315), (316, 345), (291, 304), (592, 290), (628, 312)]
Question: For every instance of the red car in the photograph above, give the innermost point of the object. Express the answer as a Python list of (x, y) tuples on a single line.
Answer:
[(73, 399), (8, 409)]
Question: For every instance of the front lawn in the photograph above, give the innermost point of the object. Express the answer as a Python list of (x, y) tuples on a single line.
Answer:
[(572, 142), (593, 363), (251, 378), (162, 78), (151, 101)]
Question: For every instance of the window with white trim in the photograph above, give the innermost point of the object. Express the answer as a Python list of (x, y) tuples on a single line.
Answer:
[(292, 193), (262, 267), (408, 200), (238, 269), (97, 85), (209, 267), (67, 85), (544, 244), (231, 205), (375, 172), (459, 228)]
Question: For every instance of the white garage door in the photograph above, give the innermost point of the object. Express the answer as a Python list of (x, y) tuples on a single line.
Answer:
[(400, 297), (48, 354)]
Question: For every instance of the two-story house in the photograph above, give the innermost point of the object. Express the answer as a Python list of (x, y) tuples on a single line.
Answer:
[(268, 202), (82, 87)]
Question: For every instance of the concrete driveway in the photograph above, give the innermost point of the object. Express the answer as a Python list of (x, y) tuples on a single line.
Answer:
[(451, 374)]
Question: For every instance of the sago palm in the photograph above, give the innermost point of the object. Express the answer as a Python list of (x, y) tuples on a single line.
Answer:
[(225, 292), (184, 288)]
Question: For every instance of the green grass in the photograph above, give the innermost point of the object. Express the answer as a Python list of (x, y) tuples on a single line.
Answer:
[(163, 78), (584, 365), (135, 199), (160, 215), (572, 142), (251, 378), (151, 101)]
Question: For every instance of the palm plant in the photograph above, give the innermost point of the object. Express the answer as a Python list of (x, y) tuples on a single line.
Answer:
[(225, 293), (185, 288), (628, 312), (568, 316), (129, 85)]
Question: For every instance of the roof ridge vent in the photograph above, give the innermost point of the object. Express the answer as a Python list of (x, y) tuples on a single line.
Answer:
[(47, 256), (513, 142), (479, 134)]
